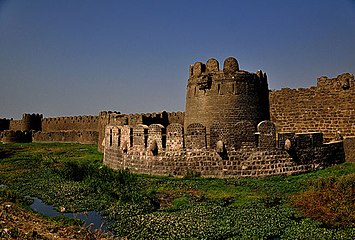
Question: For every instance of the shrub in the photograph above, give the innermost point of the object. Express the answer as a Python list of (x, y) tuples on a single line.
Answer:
[(329, 200)]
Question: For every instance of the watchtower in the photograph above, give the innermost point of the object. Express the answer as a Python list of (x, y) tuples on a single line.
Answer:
[(32, 122), (229, 102)]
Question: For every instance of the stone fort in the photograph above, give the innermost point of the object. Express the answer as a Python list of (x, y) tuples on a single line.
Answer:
[(233, 126)]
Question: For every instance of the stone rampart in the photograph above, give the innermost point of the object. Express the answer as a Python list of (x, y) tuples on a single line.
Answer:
[(327, 108), (208, 163), (73, 123), (291, 154)]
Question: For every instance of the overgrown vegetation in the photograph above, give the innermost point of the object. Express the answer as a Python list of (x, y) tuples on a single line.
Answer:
[(330, 200), (72, 176)]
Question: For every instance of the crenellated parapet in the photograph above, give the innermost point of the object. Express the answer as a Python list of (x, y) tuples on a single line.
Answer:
[(115, 118), (70, 123), (174, 138), (158, 150)]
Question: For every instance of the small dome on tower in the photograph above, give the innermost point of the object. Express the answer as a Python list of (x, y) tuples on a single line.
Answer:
[(212, 65), (230, 65)]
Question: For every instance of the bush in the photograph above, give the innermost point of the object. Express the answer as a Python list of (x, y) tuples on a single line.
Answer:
[(330, 201)]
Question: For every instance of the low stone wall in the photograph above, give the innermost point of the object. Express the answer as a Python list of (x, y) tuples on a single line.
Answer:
[(250, 162), (85, 137)]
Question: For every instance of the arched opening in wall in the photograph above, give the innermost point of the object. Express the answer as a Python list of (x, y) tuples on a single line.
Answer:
[(195, 91), (233, 88), (219, 88), (110, 137)]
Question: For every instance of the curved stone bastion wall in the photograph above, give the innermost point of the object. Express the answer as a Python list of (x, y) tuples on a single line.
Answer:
[(229, 102), (161, 151)]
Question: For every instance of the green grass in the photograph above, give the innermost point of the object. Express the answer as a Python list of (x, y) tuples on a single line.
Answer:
[(71, 175)]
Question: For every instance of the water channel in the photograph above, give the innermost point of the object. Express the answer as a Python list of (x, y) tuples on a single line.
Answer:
[(90, 217)]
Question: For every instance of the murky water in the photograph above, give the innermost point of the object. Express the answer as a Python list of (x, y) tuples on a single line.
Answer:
[(90, 217)]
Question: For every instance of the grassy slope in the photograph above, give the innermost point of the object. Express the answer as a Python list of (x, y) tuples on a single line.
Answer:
[(71, 175)]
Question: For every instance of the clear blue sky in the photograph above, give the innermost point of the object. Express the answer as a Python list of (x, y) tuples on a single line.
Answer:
[(76, 57)]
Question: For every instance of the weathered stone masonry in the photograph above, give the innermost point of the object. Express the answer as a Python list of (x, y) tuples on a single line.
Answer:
[(127, 147), (226, 132), (223, 108), (329, 107)]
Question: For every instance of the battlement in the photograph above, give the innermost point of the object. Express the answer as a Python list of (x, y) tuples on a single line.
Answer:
[(70, 123), (229, 80), (118, 119), (32, 115), (175, 137), (157, 150)]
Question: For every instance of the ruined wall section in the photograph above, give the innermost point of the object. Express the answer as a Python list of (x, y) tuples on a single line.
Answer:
[(327, 108)]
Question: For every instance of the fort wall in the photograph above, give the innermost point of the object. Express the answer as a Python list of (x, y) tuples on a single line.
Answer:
[(73, 123), (15, 125), (84, 137), (327, 108)]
